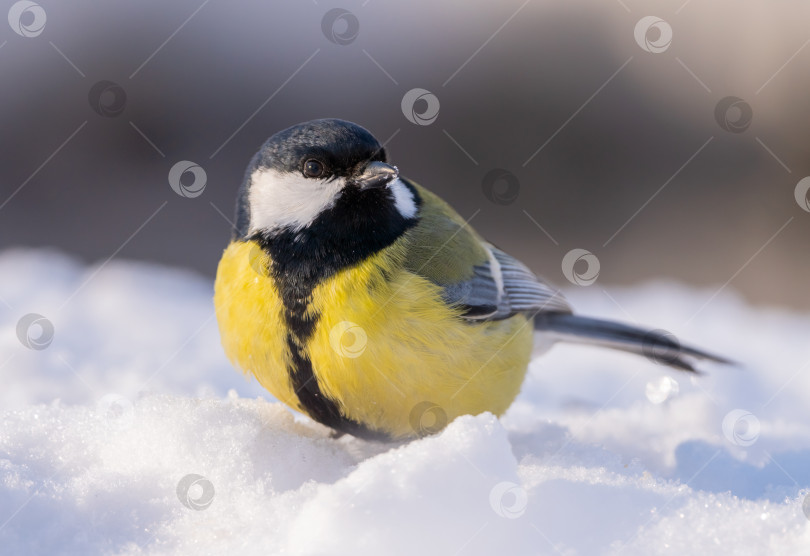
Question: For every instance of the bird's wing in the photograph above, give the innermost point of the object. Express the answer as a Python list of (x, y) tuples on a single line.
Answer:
[(476, 276), (502, 287), (489, 284)]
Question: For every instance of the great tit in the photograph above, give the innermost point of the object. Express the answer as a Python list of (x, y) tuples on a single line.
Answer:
[(363, 300)]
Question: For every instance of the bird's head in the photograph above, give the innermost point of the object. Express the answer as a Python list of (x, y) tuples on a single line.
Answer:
[(320, 173)]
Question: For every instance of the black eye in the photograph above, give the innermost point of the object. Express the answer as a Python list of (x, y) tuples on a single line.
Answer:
[(313, 168)]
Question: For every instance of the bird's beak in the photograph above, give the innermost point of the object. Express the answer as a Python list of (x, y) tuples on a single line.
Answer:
[(375, 175)]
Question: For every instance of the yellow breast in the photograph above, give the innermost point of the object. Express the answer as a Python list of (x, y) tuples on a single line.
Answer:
[(385, 347)]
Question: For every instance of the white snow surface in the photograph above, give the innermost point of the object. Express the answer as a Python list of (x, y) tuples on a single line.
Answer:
[(134, 394)]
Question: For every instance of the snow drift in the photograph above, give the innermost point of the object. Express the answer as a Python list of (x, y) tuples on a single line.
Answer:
[(125, 431)]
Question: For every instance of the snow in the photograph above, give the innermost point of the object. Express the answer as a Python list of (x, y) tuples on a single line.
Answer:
[(130, 433)]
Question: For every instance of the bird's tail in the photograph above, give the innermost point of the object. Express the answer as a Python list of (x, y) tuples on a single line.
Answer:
[(657, 345)]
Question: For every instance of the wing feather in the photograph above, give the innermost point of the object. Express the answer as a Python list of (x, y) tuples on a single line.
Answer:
[(485, 282), (503, 287)]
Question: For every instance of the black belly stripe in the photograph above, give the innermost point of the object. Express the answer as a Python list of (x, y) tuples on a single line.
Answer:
[(317, 405), (305, 385), (302, 259)]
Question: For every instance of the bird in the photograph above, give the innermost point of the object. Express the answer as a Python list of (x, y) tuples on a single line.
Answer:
[(361, 299)]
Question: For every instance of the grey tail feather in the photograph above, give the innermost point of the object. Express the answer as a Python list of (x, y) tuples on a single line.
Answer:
[(657, 345)]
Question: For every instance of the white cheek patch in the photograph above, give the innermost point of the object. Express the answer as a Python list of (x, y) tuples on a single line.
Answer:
[(286, 199), (403, 198)]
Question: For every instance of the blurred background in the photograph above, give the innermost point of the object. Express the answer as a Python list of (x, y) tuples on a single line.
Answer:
[(552, 125)]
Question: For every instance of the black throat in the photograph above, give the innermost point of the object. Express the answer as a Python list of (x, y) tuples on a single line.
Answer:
[(360, 224)]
